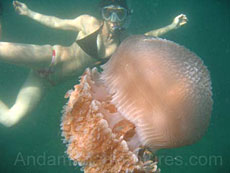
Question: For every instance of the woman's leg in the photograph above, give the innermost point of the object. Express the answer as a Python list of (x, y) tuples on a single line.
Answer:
[(33, 56), (28, 97)]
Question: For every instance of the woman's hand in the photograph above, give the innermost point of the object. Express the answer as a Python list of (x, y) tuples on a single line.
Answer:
[(180, 20), (20, 8)]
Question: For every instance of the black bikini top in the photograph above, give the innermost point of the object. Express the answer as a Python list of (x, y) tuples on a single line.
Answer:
[(89, 43)]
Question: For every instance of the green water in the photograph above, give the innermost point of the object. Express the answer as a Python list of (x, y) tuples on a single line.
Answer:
[(35, 145)]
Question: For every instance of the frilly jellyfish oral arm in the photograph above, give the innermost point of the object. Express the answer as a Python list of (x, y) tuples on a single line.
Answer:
[(178, 21), (147, 159), (96, 136)]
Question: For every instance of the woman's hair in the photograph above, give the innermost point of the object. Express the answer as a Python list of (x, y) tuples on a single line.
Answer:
[(121, 3)]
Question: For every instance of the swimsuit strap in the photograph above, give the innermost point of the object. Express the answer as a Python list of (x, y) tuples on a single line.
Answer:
[(46, 72)]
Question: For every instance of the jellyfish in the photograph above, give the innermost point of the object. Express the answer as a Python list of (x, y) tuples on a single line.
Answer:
[(151, 94)]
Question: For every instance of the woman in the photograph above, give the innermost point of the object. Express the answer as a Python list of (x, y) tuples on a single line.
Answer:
[(96, 41)]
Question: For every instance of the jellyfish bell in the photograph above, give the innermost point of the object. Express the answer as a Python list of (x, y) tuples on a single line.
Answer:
[(161, 87), (152, 93)]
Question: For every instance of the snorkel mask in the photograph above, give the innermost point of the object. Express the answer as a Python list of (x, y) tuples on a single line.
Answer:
[(116, 13)]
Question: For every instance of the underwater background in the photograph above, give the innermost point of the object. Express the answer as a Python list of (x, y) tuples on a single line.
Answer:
[(35, 143)]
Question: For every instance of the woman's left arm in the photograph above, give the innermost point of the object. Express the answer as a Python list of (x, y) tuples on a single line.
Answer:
[(177, 23)]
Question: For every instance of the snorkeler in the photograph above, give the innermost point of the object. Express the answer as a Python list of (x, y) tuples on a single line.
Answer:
[(96, 41)]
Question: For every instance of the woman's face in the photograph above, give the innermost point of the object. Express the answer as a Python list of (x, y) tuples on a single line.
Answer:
[(114, 16)]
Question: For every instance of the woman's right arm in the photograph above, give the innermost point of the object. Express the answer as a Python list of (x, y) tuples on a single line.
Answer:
[(50, 21)]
